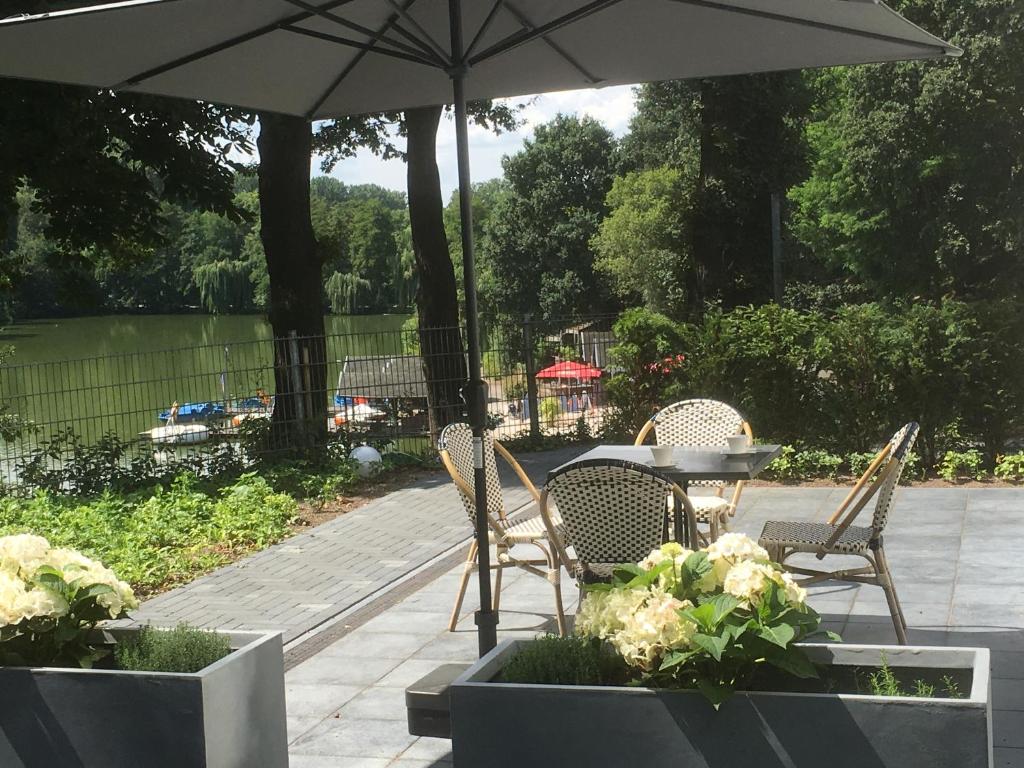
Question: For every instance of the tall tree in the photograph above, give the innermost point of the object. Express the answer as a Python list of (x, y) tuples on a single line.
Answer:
[(294, 267), (538, 242), (437, 301), (918, 181), (742, 137)]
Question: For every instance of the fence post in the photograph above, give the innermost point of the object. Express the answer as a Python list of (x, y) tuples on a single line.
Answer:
[(531, 377), (296, 373)]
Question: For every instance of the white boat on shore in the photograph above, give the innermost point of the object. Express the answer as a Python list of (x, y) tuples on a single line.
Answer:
[(178, 434)]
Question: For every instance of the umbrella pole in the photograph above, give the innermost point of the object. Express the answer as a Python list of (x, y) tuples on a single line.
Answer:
[(476, 389)]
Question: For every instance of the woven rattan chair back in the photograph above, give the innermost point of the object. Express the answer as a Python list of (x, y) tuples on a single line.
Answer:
[(613, 511), (696, 423), (457, 441), (900, 447)]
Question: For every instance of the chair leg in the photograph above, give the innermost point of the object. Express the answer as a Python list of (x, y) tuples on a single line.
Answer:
[(467, 569), (497, 580), (890, 594), (713, 528), (885, 582)]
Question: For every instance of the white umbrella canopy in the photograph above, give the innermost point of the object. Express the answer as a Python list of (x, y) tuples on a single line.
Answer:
[(327, 59), (330, 58)]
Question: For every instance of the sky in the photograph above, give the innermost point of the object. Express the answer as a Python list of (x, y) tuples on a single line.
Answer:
[(612, 106)]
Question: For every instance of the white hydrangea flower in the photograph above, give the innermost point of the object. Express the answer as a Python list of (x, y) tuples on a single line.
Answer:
[(22, 554), (12, 596), (602, 614), (749, 580), (730, 549), (653, 630)]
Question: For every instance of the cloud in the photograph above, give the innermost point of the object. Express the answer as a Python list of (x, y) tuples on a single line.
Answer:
[(613, 107)]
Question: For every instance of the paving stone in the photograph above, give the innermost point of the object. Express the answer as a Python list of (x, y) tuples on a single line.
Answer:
[(350, 737)]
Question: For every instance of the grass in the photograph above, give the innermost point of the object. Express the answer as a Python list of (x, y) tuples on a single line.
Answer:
[(157, 538)]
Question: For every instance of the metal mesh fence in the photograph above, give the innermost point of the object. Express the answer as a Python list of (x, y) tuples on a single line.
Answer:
[(394, 387)]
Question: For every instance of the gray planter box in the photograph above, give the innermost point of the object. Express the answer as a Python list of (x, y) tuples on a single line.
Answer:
[(229, 715), (500, 724)]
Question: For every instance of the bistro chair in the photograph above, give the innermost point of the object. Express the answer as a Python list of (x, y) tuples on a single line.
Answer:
[(701, 423), (839, 536), (610, 512), (456, 449)]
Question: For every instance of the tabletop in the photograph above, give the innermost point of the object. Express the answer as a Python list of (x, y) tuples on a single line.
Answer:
[(691, 463)]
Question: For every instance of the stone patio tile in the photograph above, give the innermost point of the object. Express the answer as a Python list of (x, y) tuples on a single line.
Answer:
[(357, 738), (916, 614), (323, 761), (410, 763), (316, 699), (297, 726), (403, 618), (1007, 693), (1008, 665), (377, 703), (377, 645), (429, 749), (987, 615), (1008, 758), (322, 670), (1008, 729), (408, 672)]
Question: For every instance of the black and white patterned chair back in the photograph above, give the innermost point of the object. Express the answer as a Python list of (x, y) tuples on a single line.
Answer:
[(697, 423), (457, 440), (613, 511), (901, 445)]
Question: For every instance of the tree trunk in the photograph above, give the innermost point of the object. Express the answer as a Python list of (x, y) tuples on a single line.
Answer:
[(437, 299), (296, 306)]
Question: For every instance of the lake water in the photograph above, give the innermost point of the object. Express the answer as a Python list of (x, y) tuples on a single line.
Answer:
[(97, 374)]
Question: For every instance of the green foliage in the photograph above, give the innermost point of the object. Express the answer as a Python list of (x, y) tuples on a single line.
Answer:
[(59, 640), (537, 241), (1010, 467), (955, 465), (555, 660), (914, 189), (797, 465), (886, 682), (838, 382), (732, 638), (549, 409), (184, 649), (158, 538), (642, 245)]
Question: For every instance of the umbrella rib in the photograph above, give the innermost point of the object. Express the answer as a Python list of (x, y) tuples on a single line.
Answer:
[(811, 23), (483, 28), (528, 25), (358, 44), (222, 46), (426, 38), (392, 20), (374, 35), (529, 35)]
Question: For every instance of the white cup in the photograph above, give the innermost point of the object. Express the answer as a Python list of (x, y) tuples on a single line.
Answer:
[(662, 455), (738, 443)]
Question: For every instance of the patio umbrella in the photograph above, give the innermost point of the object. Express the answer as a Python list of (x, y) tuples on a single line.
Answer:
[(568, 369), (330, 58)]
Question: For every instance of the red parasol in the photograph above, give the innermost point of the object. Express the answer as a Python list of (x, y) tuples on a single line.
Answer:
[(570, 370)]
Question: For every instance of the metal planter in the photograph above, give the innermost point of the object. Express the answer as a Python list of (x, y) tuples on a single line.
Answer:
[(500, 724), (229, 715)]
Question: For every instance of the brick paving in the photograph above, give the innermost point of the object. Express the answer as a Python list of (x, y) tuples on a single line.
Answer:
[(304, 581)]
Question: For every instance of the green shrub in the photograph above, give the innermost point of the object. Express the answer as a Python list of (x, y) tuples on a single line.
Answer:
[(549, 411), (182, 649), (956, 465), (161, 537), (817, 464), (554, 660), (859, 462), (1010, 467)]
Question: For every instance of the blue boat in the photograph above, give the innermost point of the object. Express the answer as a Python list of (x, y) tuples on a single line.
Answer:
[(190, 412)]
